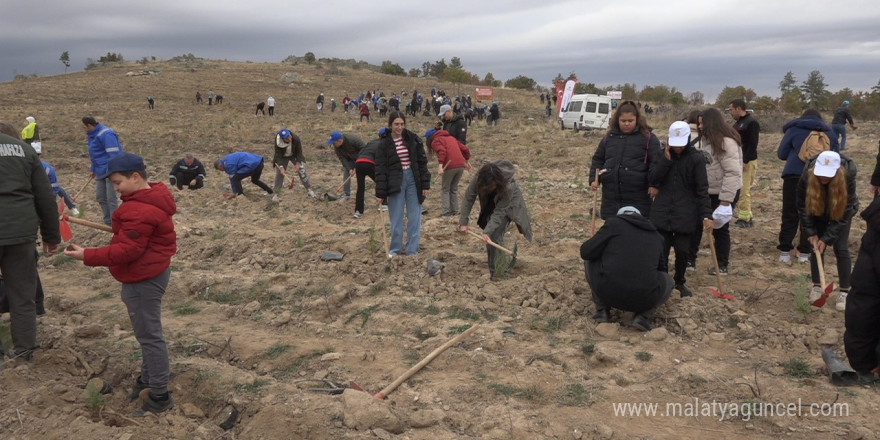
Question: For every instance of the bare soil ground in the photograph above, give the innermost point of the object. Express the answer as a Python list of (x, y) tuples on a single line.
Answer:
[(255, 319)]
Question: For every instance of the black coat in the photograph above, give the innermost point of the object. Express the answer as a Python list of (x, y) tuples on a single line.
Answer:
[(624, 254), (628, 159), (684, 192), (862, 323), (457, 127), (389, 173)]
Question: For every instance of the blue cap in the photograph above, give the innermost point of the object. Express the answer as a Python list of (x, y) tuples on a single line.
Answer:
[(124, 162), (335, 136), (845, 102), (382, 131), (284, 133), (430, 133)]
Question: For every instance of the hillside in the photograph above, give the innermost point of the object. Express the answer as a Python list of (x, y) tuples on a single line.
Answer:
[(254, 319)]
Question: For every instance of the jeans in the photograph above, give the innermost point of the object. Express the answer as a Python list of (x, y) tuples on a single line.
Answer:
[(20, 279), (346, 170), (841, 253), (144, 303), (449, 193), (407, 198), (67, 200), (106, 196), (790, 218), (840, 131)]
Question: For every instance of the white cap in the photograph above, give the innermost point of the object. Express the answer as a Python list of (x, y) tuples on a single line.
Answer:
[(30, 119), (444, 108), (679, 134), (827, 164)]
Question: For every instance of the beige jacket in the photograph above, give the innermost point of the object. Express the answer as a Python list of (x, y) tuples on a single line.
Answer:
[(725, 171)]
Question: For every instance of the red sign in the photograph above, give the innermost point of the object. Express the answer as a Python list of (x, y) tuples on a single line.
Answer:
[(484, 93)]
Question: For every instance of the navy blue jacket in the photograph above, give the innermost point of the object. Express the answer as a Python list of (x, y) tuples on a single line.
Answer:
[(796, 132)]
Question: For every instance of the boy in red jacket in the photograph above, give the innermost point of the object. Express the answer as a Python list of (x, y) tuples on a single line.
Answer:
[(139, 256)]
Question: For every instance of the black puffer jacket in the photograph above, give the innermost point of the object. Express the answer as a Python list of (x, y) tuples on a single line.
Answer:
[(827, 229), (389, 173), (684, 192), (627, 160), (457, 127), (625, 252), (861, 319)]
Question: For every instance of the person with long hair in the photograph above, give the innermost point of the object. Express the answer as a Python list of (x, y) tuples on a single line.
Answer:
[(826, 203), (501, 202), (795, 132), (624, 159), (403, 178), (723, 144)]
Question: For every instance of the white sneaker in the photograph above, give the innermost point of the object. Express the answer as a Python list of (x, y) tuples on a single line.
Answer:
[(383, 208), (357, 214), (815, 293), (841, 301), (312, 194), (344, 198), (75, 212), (803, 258), (785, 257)]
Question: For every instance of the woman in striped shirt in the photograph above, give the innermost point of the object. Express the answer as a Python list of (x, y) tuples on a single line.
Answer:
[(403, 179)]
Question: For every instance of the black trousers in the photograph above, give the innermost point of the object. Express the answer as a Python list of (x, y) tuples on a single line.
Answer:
[(362, 171), (591, 271), (861, 340), (180, 180), (681, 243), (255, 179), (791, 220), (720, 235)]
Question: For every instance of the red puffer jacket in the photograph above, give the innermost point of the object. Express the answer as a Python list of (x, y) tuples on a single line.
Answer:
[(143, 236), (449, 149)]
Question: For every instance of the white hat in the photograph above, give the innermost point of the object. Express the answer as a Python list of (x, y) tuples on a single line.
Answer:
[(679, 134), (628, 210), (827, 164), (444, 108), (30, 119)]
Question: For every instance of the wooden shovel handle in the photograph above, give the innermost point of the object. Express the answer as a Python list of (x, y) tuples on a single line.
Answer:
[(593, 212), (491, 243), (343, 184), (415, 369), (80, 221), (83, 187), (821, 267)]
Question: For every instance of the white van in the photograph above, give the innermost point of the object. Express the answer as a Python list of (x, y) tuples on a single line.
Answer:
[(587, 111)]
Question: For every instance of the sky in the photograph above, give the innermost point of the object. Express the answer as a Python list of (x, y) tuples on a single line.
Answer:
[(690, 45)]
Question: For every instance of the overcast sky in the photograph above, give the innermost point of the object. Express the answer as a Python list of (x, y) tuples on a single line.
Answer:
[(691, 45)]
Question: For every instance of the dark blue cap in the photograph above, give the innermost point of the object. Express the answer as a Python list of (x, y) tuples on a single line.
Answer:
[(124, 162)]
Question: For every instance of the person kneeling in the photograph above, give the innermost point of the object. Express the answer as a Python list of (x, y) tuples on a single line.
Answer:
[(620, 263)]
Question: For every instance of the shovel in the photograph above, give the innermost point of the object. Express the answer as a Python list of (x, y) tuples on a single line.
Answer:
[(382, 223), (440, 176), (100, 226), (335, 195), (716, 293), (830, 287), (284, 174), (64, 228), (491, 243), (595, 199)]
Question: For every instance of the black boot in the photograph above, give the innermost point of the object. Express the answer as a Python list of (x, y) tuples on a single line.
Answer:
[(602, 315), (683, 290), (136, 391), (642, 323)]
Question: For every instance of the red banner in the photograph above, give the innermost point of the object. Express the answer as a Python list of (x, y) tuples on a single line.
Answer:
[(484, 93), (561, 92)]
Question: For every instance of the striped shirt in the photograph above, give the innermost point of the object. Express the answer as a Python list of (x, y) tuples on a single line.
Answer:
[(402, 152)]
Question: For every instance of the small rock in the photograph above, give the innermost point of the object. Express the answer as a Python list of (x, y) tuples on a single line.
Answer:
[(89, 331), (425, 418), (610, 330), (251, 308), (332, 256), (191, 411), (331, 357), (604, 432), (657, 334), (860, 433), (830, 337), (282, 319), (434, 267)]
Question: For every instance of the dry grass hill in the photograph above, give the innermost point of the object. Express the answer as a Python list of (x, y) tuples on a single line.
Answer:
[(256, 321)]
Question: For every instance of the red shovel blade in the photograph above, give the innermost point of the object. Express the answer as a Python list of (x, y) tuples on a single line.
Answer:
[(64, 228), (825, 293), (718, 294), (60, 206)]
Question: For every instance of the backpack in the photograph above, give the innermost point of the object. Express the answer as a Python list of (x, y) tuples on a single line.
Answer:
[(816, 142)]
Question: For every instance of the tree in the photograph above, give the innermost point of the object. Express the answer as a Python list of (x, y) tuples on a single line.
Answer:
[(876, 89), (392, 68), (696, 98), (581, 88), (521, 82), (455, 62), (730, 93), (438, 67), (65, 58), (788, 83), (814, 89), (309, 58), (415, 72), (489, 80), (426, 69), (455, 75), (111, 58)]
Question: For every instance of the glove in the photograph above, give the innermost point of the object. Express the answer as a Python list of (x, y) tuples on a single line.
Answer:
[(721, 216)]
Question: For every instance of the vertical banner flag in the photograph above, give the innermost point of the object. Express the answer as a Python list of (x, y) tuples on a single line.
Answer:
[(567, 91)]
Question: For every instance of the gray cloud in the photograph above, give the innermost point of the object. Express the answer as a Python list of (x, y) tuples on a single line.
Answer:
[(684, 44)]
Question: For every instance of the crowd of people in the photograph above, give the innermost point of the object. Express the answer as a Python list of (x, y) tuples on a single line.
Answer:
[(656, 195)]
